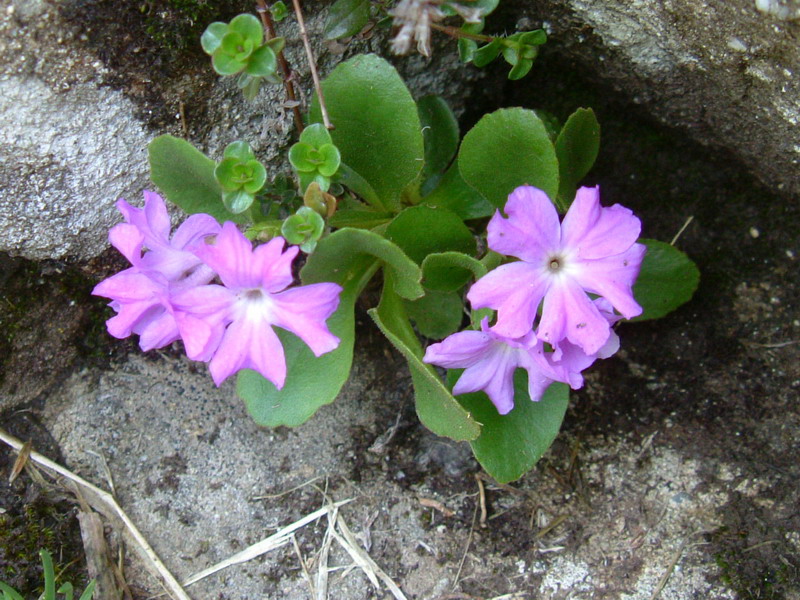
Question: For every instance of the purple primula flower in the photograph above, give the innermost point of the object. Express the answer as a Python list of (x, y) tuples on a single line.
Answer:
[(489, 361), (594, 250), (141, 295), (573, 360), (235, 322)]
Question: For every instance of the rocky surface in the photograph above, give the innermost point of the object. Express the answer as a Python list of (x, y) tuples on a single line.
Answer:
[(727, 73), (675, 476)]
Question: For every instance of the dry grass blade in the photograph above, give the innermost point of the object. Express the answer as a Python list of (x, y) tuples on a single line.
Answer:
[(22, 460), (276, 540), (364, 561), (104, 503), (322, 560), (98, 560), (303, 565)]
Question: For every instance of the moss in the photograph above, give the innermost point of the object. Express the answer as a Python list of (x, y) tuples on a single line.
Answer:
[(39, 524)]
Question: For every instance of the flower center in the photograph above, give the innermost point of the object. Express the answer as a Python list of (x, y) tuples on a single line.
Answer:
[(555, 264)]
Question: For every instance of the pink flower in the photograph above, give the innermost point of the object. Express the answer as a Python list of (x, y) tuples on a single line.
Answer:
[(141, 295), (592, 251), (489, 361), (233, 324)]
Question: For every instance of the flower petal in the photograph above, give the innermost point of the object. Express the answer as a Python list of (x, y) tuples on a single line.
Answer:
[(531, 230), (613, 278), (130, 285), (273, 265), (567, 313), (193, 230), (231, 256), (459, 350), (249, 344), (303, 311), (128, 240), (158, 331), (514, 290), (591, 231), (494, 375), (155, 211)]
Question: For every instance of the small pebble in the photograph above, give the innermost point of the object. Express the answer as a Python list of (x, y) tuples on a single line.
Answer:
[(754, 233)]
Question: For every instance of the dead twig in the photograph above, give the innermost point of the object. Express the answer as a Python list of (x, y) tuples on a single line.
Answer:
[(105, 504), (373, 572), (435, 504), (466, 546), (312, 65), (681, 230), (482, 498), (276, 540), (288, 81)]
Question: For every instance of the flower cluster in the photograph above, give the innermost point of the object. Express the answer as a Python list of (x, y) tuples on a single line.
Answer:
[(169, 293), (546, 321)]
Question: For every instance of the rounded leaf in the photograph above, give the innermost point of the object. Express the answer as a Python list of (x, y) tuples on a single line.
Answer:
[(262, 63), (257, 177), (300, 157), (225, 64), (240, 150), (249, 27), (331, 159), (226, 173), (316, 135), (506, 149), (212, 37), (667, 279), (237, 201), (423, 230)]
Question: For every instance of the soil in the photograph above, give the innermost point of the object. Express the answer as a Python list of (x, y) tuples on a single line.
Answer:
[(683, 446)]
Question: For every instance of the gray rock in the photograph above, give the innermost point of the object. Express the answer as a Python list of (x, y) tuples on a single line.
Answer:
[(68, 147), (725, 72)]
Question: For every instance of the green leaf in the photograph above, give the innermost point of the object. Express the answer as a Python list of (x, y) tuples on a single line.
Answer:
[(225, 64), (362, 219), (186, 177), (577, 146), (521, 68), (422, 230), (436, 314), (346, 18), (303, 227), (668, 278), (262, 63), (311, 382), (240, 150), (377, 129), (510, 445), (466, 49), (237, 201), (49, 575), (506, 149), (486, 54), (436, 407), (450, 271), (212, 37), (331, 159), (316, 136), (440, 133), (360, 186), (453, 193), (335, 253), (9, 593), (249, 27), (279, 11), (87, 593)]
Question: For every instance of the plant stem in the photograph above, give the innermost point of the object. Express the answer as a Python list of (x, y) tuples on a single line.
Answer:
[(455, 32), (312, 64), (269, 27)]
